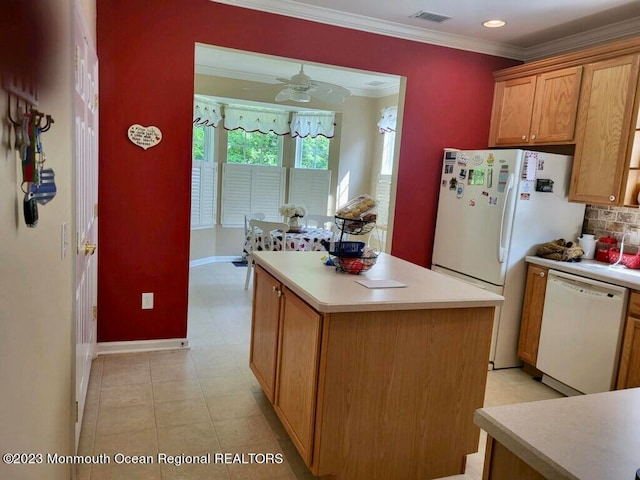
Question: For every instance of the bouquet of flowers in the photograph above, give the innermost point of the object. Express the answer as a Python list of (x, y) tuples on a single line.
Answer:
[(290, 210)]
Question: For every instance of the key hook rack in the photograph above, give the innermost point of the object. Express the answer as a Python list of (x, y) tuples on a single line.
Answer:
[(37, 119)]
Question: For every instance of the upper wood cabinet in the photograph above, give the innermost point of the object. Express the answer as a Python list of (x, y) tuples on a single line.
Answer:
[(588, 98), (607, 106), (536, 109), (532, 309)]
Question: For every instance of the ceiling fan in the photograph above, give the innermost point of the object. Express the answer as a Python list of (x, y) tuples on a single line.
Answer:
[(301, 88)]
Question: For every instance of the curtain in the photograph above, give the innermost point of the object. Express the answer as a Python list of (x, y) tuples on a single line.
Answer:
[(206, 112), (256, 119), (312, 124), (388, 117)]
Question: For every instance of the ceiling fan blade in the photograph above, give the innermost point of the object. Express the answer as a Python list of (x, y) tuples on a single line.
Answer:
[(332, 88), (329, 97), (284, 95)]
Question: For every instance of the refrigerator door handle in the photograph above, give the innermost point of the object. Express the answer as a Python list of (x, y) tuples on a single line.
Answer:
[(501, 249)]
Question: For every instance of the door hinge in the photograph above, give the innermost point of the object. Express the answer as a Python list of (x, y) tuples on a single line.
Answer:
[(77, 54), (76, 412), (94, 311), (95, 101)]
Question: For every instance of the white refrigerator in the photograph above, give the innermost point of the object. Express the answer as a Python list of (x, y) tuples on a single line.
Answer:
[(494, 208)]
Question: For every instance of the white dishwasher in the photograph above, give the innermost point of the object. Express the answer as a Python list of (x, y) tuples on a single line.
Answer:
[(581, 332)]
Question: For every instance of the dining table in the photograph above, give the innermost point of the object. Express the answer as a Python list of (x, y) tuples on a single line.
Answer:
[(308, 239)]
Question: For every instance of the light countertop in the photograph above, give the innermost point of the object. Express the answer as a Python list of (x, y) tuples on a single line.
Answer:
[(588, 437), (328, 290), (624, 277)]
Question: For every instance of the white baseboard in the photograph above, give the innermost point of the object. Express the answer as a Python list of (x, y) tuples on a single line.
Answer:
[(207, 260), (137, 346)]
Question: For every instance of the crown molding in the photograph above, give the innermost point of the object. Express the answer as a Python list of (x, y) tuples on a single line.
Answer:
[(591, 38), (382, 27)]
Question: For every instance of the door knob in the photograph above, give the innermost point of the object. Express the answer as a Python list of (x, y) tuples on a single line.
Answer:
[(88, 248)]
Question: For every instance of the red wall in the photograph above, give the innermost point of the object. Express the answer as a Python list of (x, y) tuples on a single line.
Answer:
[(146, 54)]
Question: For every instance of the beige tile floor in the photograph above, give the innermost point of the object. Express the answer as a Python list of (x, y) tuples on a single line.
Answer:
[(206, 400)]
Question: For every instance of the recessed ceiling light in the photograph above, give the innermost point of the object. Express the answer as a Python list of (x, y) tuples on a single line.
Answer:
[(494, 23)]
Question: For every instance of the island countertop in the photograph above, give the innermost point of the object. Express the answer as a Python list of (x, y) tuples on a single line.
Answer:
[(328, 290), (587, 437)]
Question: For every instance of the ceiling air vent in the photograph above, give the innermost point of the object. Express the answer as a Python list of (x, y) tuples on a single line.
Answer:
[(430, 16)]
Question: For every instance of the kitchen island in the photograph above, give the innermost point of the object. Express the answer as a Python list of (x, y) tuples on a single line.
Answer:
[(588, 437), (371, 383)]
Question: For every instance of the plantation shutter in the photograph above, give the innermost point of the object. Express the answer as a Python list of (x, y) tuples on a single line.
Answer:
[(204, 178), (311, 188), (251, 188), (383, 195)]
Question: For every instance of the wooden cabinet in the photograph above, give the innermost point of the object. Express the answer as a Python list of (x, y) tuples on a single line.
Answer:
[(500, 463), (264, 331), (536, 109), (607, 106), (370, 394), (284, 356), (629, 367), (532, 308), (297, 378), (585, 104)]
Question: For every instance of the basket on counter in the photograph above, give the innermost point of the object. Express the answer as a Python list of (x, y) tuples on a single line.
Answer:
[(354, 226), (629, 260), (354, 265)]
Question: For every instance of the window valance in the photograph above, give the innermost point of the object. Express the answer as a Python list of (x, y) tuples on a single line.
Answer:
[(388, 118), (256, 120), (206, 112), (312, 124)]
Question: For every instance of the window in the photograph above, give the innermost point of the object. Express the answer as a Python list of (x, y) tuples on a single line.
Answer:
[(254, 148), (204, 174), (388, 143), (312, 152)]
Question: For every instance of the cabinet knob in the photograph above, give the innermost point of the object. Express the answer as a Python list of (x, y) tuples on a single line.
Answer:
[(524, 137), (279, 293), (612, 198), (533, 137), (541, 274), (274, 289)]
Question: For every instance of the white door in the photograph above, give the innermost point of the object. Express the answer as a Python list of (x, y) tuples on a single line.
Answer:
[(86, 172)]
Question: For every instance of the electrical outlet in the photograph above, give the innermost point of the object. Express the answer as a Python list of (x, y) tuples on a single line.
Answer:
[(147, 301), (634, 237)]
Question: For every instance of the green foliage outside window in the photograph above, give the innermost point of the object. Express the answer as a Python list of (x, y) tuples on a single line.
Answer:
[(313, 153), (198, 143), (253, 148)]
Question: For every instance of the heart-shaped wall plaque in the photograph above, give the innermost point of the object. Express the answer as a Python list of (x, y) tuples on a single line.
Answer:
[(144, 137)]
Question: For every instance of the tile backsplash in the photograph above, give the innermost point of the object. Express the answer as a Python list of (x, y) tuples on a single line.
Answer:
[(603, 221)]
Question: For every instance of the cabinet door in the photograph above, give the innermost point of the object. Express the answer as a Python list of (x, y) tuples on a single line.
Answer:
[(629, 368), (512, 110), (264, 330), (556, 106), (297, 378), (532, 314), (602, 133)]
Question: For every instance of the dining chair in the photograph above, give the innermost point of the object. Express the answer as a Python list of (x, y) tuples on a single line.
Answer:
[(319, 221), (258, 229), (251, 216)]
